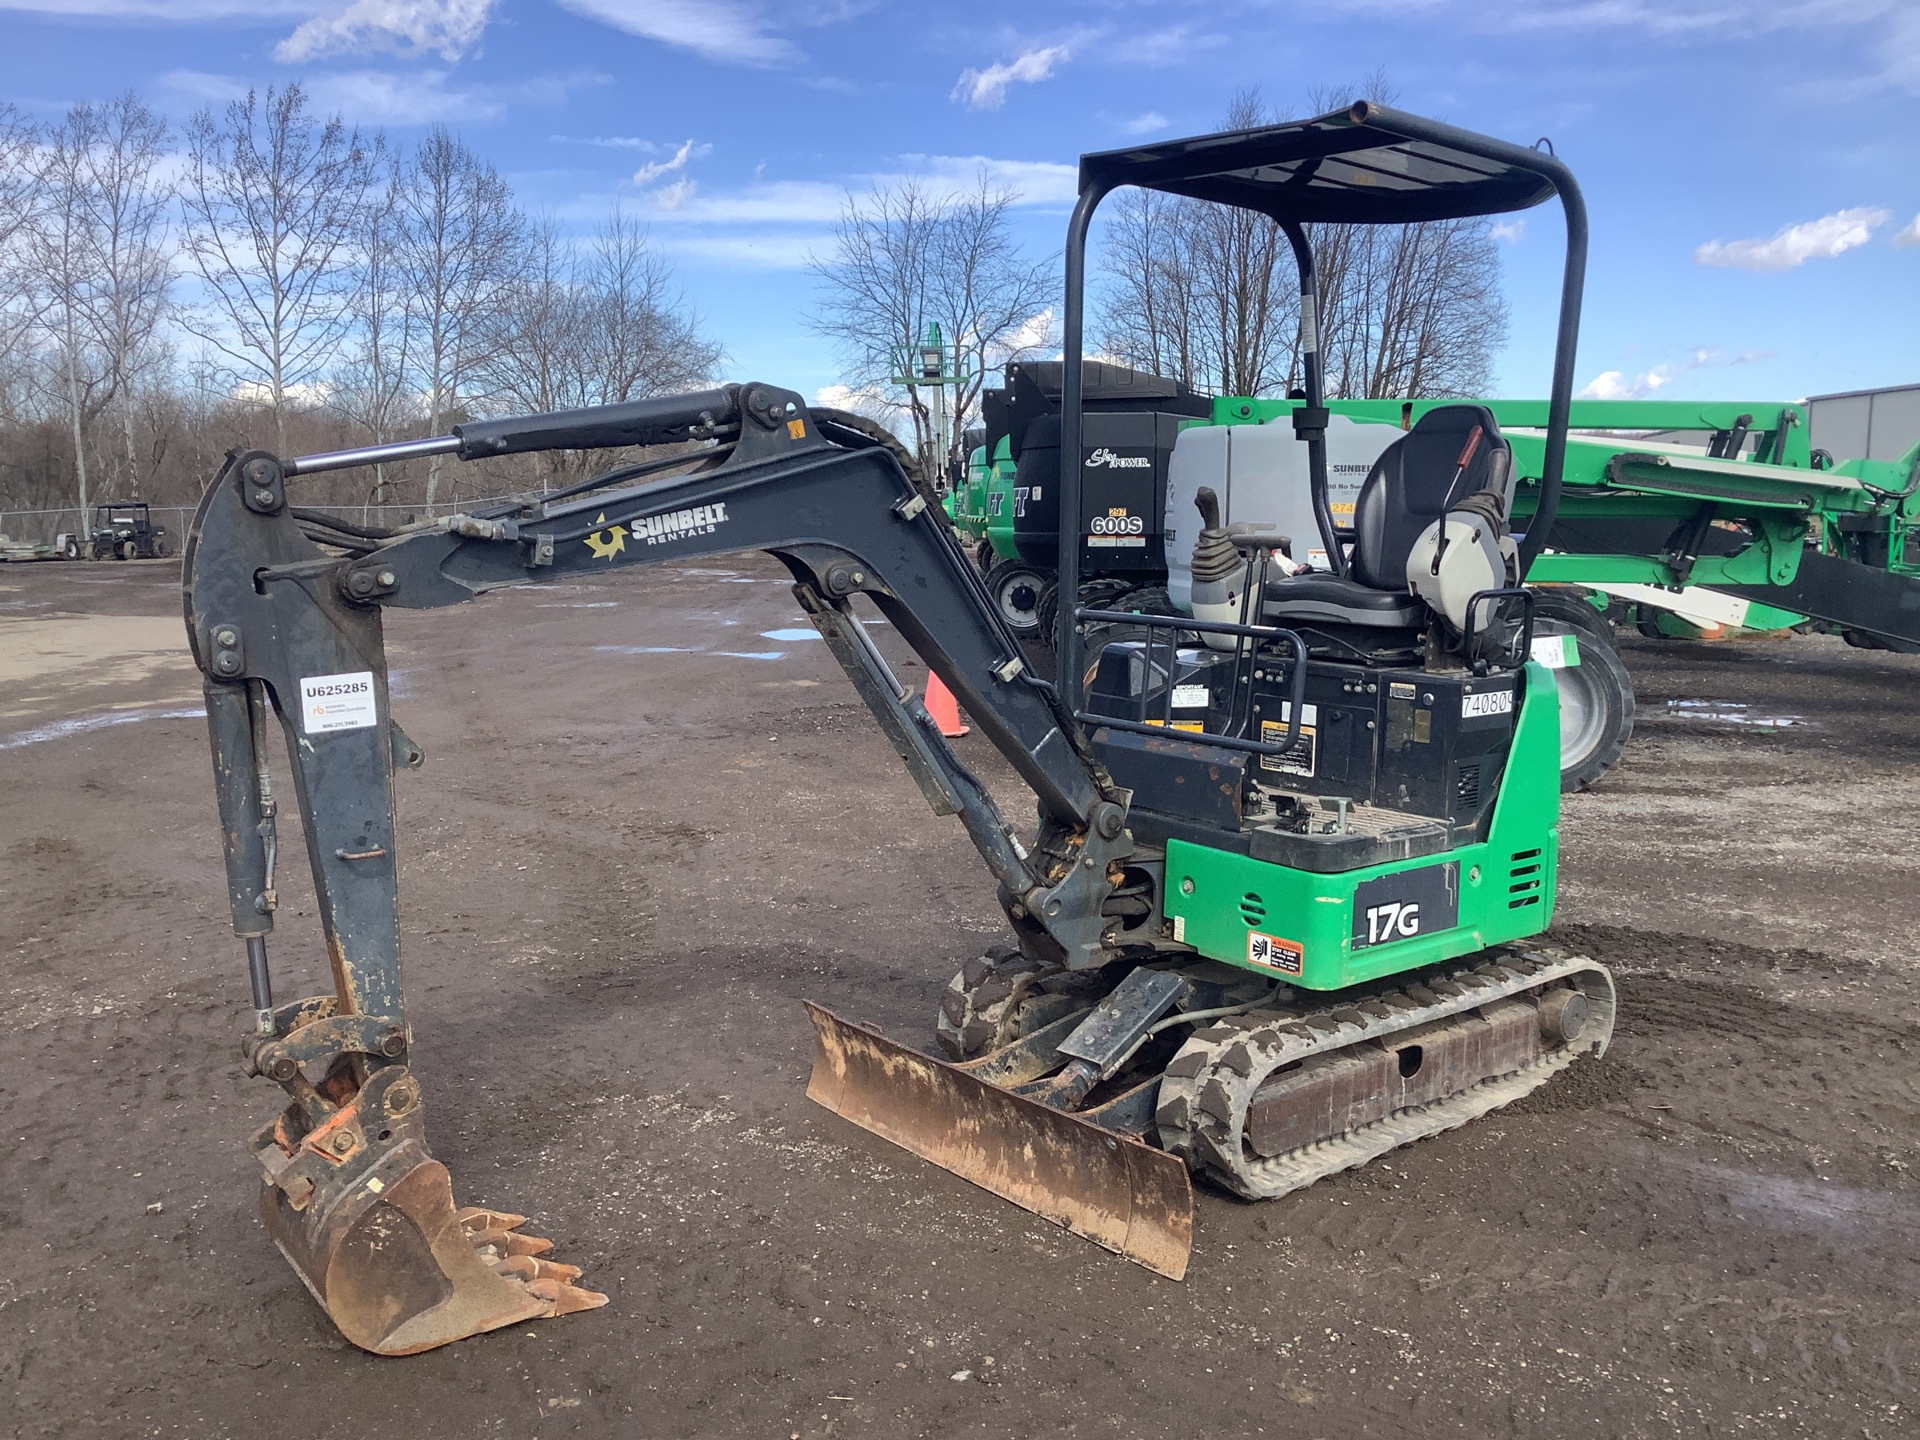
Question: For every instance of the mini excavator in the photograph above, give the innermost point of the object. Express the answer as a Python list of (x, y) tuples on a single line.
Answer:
[(1292, 852)]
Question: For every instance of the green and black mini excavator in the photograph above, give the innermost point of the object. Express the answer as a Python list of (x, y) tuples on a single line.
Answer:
[(1275, 916)]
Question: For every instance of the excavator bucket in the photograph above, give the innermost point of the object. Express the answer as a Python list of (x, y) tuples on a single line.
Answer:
[(399, 1269), (1109, 1187)]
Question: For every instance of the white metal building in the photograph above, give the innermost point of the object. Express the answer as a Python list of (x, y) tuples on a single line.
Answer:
[(1868, 424)]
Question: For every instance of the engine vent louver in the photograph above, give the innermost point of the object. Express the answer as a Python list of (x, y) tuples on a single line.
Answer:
[(1466, 789), (1525, 873)]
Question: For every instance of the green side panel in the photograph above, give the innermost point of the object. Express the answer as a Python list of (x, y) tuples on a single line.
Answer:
[(1770, 617), (966, 505), (999, 501), (1230, 907)]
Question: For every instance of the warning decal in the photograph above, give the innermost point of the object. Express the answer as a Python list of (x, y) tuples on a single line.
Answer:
[(1272, 953)]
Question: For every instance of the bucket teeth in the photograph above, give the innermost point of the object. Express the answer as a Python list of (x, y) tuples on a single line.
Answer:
[(514, 1256), (400, 1269)]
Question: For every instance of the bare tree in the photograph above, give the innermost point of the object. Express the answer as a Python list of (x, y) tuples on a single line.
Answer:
[(63, 282), (19, 202), (1151, 291), (272, 200), (533, 359), (371, 387), (1209, 295), (128, 252), (907, 256), (1202, 292), (578, 329), (638, 335), (459, 236)]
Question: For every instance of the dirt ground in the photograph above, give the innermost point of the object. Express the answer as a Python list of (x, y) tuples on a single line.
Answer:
[(654, 817)]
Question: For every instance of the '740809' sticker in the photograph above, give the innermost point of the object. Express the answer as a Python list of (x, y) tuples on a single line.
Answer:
[(1487, 702), (1272, 953), (336, 702)]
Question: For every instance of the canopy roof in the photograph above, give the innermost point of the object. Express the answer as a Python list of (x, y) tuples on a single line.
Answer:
[(1364, 165)]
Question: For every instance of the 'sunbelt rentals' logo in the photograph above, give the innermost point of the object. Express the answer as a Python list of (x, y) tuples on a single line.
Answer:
[(656, 529)]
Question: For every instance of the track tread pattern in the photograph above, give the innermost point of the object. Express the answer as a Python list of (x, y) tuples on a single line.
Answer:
[(1205, 1092)]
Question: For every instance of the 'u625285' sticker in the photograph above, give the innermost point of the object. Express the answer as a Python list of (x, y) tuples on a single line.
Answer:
[(337, 702)]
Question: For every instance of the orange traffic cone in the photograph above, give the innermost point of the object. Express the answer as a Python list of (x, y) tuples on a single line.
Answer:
[(944, 709)]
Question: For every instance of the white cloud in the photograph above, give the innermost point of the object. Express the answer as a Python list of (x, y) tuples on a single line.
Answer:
[(1619, 385), (611, 142), (1509, 231), (1035, 332), (398, 98), (675, 196), (413, 97), (776, 250), (726, 31), (1035, 182), (1910, 235), (1144, 124), (654, 169), (1820, 239), (447, 28), (784, 202), (867, 400), (987, 89)]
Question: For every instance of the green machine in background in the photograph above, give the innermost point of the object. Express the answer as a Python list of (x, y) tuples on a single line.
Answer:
[(981, 506)]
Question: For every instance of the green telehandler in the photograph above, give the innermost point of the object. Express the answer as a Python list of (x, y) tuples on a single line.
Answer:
[(1280, 910)]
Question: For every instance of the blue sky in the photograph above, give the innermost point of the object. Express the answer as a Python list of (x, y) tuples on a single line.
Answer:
[(1752, 166)]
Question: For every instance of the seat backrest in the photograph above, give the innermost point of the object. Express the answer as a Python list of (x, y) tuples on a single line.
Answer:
[(1445, 457)]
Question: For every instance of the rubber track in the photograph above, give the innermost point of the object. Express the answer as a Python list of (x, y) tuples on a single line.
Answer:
[(1206, 1089)]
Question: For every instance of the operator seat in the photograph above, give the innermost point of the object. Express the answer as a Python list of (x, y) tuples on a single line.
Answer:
[(1452, 452)]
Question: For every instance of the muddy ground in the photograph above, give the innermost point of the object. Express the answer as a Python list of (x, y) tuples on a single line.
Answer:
[(653, 818)]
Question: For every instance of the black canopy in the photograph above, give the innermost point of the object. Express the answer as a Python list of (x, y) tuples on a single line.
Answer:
[(1366, 164)]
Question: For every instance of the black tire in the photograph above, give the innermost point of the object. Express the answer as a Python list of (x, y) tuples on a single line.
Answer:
[(1016, 588), (1597, 706), (1568, 607), (1867, 640)]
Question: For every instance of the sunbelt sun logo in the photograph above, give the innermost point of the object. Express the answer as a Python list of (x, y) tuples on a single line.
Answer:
[(1106, 457)]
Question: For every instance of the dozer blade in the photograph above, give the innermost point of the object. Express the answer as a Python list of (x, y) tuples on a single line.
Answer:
[(1111, 1188), (400, 1270)]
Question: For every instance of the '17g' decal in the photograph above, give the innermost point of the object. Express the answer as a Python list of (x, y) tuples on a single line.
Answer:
[(1416, 902), (1393, 921)]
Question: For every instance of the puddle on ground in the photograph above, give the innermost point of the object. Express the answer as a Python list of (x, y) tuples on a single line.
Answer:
[(83, 724), (1727, 712), (689, 650)]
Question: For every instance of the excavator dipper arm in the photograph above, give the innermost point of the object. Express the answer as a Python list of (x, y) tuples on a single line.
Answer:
[(288, 632)]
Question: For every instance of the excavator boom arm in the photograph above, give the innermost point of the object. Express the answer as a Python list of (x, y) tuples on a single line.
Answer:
[(289, 632)]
